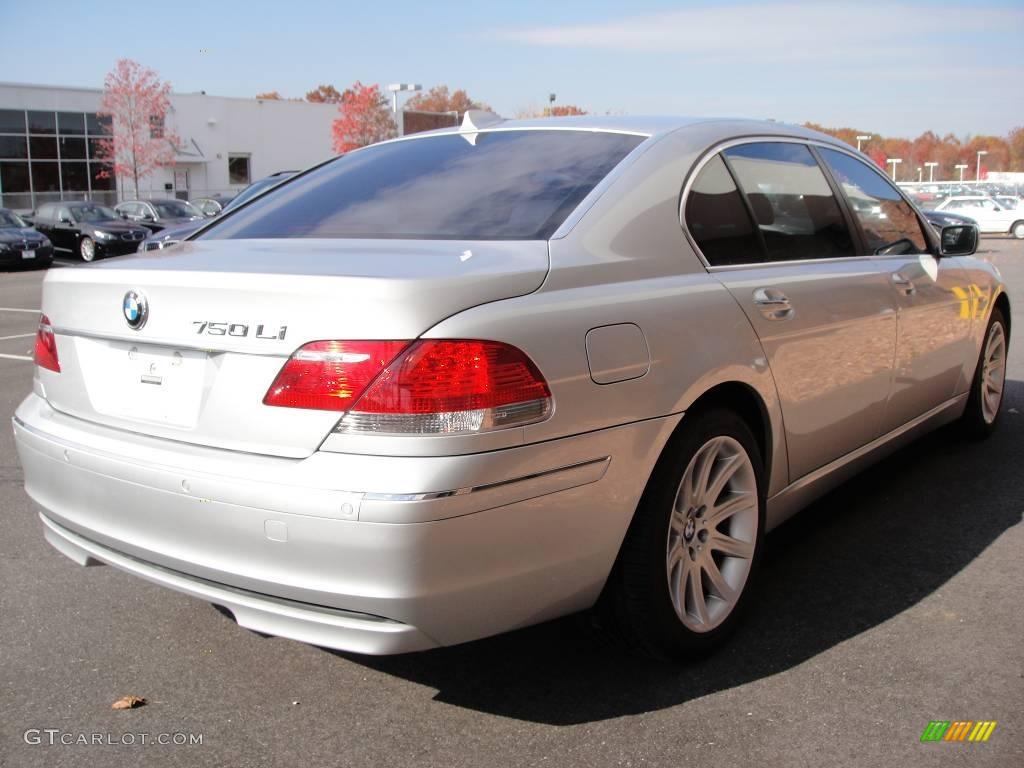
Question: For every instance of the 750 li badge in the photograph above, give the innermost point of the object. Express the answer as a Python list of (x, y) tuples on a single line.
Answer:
[(239, 330)]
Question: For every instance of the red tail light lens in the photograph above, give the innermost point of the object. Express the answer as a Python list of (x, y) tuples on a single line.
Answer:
[(330, 375), (46, 346), (444, 386)]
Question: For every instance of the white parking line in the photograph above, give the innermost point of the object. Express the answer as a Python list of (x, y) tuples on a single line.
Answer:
[(17, 336), (15, 357), (19, 309)]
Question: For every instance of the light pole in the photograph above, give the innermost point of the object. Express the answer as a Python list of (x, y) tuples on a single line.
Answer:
[(863, 137), (963, 167), (895, 161), (920, 174), (978, 167), (931, 171), (395, 89)]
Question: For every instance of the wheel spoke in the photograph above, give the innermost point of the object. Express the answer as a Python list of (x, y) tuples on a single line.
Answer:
[(737, 502), (728, 467), (702, 471), (696, 591), (727, 545), (719, 585)]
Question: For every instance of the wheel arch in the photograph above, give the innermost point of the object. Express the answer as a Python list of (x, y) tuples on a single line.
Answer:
[(745, 401), (1002, 303)]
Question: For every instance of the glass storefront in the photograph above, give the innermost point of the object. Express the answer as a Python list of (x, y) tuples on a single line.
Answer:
[(48, 156)]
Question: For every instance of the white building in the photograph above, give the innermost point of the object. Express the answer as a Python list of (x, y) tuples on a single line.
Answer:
[(47, 145)]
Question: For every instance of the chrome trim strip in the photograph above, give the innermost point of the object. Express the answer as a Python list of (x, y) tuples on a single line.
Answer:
[(406, 497), (60, 331)]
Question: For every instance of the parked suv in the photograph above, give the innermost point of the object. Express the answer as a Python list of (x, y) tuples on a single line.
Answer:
[(88, 230), (461, 382)]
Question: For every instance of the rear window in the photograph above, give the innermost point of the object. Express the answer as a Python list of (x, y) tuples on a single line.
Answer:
[(502, 185)]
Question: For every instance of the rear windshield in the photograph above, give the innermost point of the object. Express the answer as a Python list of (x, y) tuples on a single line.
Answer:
[(504, 185)]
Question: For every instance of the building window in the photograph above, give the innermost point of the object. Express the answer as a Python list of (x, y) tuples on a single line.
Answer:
[(238, 169), (42, 122), (156, 126)]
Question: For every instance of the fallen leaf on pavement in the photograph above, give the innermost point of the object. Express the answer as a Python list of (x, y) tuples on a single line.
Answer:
[(128, 702)]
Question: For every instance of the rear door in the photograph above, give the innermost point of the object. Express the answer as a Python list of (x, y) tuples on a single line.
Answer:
[(935, 303), (769, 225)]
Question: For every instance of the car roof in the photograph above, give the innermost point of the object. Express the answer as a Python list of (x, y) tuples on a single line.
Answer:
[(652, 126)]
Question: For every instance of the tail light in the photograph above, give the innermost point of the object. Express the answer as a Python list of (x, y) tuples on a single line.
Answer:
[(428, 387), (330, 375), (46, 346)]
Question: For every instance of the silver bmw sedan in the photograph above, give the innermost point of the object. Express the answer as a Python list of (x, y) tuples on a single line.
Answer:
[(462, 382)]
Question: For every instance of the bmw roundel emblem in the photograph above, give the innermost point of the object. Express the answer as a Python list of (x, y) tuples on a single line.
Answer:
[(136, 309)]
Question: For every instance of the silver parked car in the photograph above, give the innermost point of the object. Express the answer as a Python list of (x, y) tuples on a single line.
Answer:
[(462, 382)]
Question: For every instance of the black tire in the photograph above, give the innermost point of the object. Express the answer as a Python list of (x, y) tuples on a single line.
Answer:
[(637, 597), (973, 423), (87, 249)]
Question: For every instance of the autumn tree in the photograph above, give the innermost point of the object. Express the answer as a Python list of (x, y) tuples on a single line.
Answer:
[(270, 96), (324, 94), (438, 99), (133, 111), (364, 118), (564, 110)]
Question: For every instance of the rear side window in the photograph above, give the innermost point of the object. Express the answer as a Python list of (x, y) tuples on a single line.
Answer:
[(792, 201), (889, 223), (718, 219), (502, 185)]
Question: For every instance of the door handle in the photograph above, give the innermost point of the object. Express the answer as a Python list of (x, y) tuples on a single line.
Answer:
[(773, 303), (904, 283)]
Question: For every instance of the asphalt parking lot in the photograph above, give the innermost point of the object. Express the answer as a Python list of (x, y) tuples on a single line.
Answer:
[(894, 601)]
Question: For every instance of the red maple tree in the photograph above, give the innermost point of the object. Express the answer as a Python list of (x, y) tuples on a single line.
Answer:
[(133, 112), (364, 118)]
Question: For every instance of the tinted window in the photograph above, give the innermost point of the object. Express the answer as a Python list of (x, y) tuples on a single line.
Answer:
[(13, 146), (14, 177), (888, 221), (43, 148), (791, 200), (42, 122), (12, 121), (72, 149), (513, 185), (71, 123), (75, 176), (718, 219)]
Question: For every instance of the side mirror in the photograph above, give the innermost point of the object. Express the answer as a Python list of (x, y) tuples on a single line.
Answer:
[(958, 240), (123, 214), (146, 217), (63, 220)]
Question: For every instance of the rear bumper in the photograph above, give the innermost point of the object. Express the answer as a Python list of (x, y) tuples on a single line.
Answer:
[(369, 554)]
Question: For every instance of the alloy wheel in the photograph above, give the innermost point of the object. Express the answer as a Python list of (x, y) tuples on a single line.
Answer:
[(88, 249), (993, 372), (712, 534)]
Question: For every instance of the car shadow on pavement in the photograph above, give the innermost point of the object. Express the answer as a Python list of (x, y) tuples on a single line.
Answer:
[(866, 552)]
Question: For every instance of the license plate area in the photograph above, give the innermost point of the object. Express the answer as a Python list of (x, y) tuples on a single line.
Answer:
[(28, 254), (139, 382)]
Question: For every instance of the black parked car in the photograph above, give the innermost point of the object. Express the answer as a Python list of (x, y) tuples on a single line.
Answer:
[(169, 237), (20, 244), (940, 219), (88, 229), (157, 215)]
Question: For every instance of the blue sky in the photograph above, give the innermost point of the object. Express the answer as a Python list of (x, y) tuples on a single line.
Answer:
[(896, 68)]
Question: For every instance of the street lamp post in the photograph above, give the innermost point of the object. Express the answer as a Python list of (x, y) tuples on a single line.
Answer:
[(920, 174), (395, 89), (978, 167), (963, 167), (931, 171), (895, 161), (863, 137)]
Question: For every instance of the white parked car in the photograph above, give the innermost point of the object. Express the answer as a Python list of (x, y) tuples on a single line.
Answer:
[(992, 217)]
